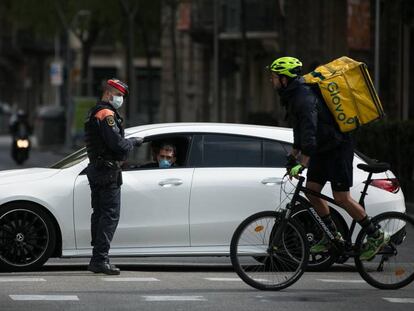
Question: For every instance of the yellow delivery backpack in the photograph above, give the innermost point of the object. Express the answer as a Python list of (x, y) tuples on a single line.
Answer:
[(348, 91)]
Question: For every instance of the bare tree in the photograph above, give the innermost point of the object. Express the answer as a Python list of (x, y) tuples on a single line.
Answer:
[(173, 5), (130, 10)]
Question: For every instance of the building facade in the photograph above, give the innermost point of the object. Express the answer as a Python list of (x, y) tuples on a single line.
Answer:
[(216, 72)]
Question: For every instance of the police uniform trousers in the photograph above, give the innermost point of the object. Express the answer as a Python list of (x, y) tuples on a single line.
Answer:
[(106, 205)]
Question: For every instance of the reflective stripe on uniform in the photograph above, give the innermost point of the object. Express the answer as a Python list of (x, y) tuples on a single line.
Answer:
[(102, 114)]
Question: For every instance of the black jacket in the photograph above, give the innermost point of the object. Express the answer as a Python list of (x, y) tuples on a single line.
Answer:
[(104, 136), (314, 128)]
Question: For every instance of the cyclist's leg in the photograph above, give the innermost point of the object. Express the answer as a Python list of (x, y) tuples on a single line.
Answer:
[(318, 174), (320, 205), (341, 182), (316, 180), (353, 208)]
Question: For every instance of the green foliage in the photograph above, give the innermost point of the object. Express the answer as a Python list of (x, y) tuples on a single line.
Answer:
[(46, 18), (392, 142), (42, 16)]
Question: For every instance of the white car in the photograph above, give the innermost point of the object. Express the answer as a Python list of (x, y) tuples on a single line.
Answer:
[(224, 173)]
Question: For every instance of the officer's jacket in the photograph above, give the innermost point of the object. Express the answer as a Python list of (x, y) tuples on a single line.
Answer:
[(104, 135), (314, 128)]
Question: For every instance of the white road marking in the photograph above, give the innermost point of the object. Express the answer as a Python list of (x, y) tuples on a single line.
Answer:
[(44, 297), (174, 298), (340, 281), (130, 279), (4, 279), (223, 279), (400, 300)]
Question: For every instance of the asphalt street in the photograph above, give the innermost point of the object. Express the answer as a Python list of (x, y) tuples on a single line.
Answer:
[(179, 283), (187, 284), (37, 157)]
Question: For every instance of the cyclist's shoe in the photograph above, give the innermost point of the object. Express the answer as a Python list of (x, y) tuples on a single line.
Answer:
[(373, 246), (325, 244)]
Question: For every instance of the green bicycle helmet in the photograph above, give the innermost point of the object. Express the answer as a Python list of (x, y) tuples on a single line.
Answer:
[(288, 66)]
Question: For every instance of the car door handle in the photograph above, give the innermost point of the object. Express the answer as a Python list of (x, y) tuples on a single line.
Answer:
[(170, 182), (271, 181)]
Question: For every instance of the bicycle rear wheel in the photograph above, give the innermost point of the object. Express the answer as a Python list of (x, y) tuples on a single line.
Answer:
[(393, 266), (265, 266)]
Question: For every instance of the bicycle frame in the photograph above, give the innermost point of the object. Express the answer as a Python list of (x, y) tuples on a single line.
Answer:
[(300, 188)]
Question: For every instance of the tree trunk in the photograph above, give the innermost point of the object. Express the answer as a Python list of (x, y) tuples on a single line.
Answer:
[(176, 84), (130, 13), (245, 72)]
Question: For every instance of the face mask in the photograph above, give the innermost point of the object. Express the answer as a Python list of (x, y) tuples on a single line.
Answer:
[(116, 101), (164, 163)]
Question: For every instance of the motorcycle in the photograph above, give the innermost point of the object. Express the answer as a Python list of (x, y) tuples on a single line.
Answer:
[(20, 149)]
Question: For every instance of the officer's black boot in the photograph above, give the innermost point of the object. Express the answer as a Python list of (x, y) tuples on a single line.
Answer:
[(104, 267)]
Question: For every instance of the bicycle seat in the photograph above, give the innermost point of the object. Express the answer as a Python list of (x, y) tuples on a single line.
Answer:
[(374, 167)]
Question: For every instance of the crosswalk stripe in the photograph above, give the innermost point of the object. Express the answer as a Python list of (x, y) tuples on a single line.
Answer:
[(44, 297), (174, 298), (340, 281), (400, 300), (223, 279), (130, 279), (4, 279)]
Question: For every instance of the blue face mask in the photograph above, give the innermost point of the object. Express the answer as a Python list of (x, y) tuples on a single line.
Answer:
[(164, 163)]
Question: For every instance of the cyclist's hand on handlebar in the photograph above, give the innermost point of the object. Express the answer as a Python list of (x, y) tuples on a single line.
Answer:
[(291, 161), (296, 170)]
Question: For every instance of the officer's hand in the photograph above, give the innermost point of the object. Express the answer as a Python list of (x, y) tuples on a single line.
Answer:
[(136, 141)]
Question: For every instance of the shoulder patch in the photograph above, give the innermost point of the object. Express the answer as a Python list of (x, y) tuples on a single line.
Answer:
[(110, 120), (102, 114)]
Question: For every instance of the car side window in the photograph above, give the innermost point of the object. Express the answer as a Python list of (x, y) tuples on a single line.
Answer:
[(274, 153), (145, 156), (231, 151)]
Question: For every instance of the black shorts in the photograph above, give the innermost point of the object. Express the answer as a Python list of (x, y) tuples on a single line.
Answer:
[(334, 166)]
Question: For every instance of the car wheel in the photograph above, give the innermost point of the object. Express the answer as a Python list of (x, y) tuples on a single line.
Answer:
[(27, 237)]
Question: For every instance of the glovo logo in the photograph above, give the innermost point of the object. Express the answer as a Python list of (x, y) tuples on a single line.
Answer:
[(340, 114)]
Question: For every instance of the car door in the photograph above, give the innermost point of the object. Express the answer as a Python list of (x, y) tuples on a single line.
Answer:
[(235, 176), (154, 206)]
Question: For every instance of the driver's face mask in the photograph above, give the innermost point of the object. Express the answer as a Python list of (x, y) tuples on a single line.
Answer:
[(164, 163)]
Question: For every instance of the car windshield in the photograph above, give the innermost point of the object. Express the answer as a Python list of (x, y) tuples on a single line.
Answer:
[(71, 159)]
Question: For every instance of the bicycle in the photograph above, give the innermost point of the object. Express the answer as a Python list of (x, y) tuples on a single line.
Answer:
[(269, 250)]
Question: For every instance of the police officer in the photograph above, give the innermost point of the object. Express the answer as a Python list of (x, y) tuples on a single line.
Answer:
[(106, 148)]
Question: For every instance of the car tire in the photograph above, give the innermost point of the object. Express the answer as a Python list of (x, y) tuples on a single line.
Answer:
[(27, 237)]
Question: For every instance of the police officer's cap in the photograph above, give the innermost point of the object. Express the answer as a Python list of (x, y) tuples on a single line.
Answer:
[(119, 85)]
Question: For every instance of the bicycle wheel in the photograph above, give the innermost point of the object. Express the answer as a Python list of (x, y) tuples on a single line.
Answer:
[(393, 266), (265, 266)]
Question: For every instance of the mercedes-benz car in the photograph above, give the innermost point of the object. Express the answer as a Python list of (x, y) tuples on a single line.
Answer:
[(224, 173)]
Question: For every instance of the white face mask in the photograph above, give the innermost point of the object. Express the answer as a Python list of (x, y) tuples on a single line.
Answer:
[(116, 101)]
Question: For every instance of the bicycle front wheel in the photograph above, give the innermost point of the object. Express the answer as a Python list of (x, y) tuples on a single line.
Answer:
[(393, 266), (263, 264)]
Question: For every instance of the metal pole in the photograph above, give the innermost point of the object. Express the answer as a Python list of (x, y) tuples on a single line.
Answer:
[(57, 52), (68, 138), (377, 46), (216, 97)]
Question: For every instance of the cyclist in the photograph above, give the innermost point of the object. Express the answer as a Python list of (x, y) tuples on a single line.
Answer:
[(326, 152)]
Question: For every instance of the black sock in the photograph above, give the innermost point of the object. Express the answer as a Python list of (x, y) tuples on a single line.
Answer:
[(327, 219), (369, 227)]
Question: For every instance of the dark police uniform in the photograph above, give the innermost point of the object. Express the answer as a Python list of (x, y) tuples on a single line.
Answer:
[(106, 148)]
